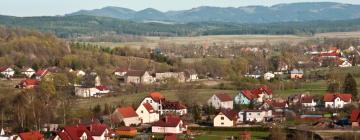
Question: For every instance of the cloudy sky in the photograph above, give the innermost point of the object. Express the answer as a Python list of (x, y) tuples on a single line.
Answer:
[(61, 7)]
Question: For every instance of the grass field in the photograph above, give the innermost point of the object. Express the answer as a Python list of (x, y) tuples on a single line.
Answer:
[(221, 135)]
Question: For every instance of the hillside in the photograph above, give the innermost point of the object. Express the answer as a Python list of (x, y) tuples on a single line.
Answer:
[(92, 26), (248, 14)]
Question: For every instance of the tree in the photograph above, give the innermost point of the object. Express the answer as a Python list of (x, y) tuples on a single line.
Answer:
[(350, 85), (196, 113), (277, 133), (333, 87)]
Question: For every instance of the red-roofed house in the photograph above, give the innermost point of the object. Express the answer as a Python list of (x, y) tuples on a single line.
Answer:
[(221, 101), (274, 105), (99, 131), (102, 89), (262, 93), (7, 72), (154, 99), (174, 107), (76, 132), (308, 102), (337, 100), (355, 118), (226, 118), (33, 135), (41, 73), (169, 124), (28, 72), (147, 113), (121, 71), (245, 97), (126, 115), (28, 83)]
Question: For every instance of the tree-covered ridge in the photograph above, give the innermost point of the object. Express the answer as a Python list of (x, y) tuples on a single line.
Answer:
[(85, 26)]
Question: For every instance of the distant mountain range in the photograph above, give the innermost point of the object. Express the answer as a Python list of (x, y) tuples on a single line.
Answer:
[(249, 14)]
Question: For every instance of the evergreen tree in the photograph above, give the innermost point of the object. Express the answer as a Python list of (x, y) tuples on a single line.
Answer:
[(333, 87), (350, 85)]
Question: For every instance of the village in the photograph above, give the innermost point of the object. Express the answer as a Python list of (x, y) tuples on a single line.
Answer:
[(157, 117)]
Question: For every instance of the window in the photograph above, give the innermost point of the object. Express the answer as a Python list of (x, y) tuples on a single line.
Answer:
[(142, 111), (222, 118), (258, 114), (222, 123), (150, 101), (249, 113)]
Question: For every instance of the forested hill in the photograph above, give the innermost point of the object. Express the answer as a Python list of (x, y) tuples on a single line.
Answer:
[(75, 26), (306, 11)]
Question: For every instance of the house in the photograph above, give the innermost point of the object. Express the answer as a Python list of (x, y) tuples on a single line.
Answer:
[(179, 76), (296, 74), (276, 106), (282, 66), (102, 89), (28, 83), (121, 71), (269, 75), (221, 101), (154, 99), (127, 115), (86, 92), (344, 63), (173, 107), (138, 77), (91, 87), (254, 115), (226, 118), (308, 102), (80, 73), (245, 97), (169, 124), (262, 93), (28, 72), (191, 75), (32, 135), (337, 100), (75, 132), (99, 131), (41, 73), (256, 74), (147, 113), (7, 72), (355, 118)]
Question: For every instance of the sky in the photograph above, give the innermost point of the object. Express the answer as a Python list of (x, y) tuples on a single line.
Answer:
[(24, 8)]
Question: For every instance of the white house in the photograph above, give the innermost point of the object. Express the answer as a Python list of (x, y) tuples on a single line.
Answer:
[(28, 72), (147, 113), (308, 102), (254, 115), (169, 125), (173, 107), (79, 132), (337, 100), (221, 101), (86, 92), (127, 115), (191, 75), (154, 99), (7, 72), (225, 118), (138, 77), (99, 131), (269, 76), (121, 71)]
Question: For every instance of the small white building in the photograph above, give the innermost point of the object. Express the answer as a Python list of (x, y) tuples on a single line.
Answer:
[(254, 115), (7, 72), (169, 125), (308, 102), (28, 72), (221, 101), (179, 76), (191, 75), (269, 75), (127, 115), (337, 100), (225, 118), (138, 77), (147, 113)]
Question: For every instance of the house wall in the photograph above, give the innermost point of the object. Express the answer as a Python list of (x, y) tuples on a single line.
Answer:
[(221, 120), (241, 99), (9, 72), (146, 116), (257, 116), (179, 112), (171, 130), (102, 137), (28, 73), (156, 106), (147, 78), (337, 103), (133, 79), (296, 76), (131, 121), (120, 74), (217, 104), (85, 92)]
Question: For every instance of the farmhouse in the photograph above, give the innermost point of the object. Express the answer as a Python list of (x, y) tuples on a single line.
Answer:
[(127, 115), (7, 72), (296, 74), (226, 118), (337, 100), (262, 93), (173, 107), (28, 72), (138, 77), (147, 113), (255, 115), (221, 101), (308, 102), (76, 132), (169, 124), (28, 83), (99, 131)]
